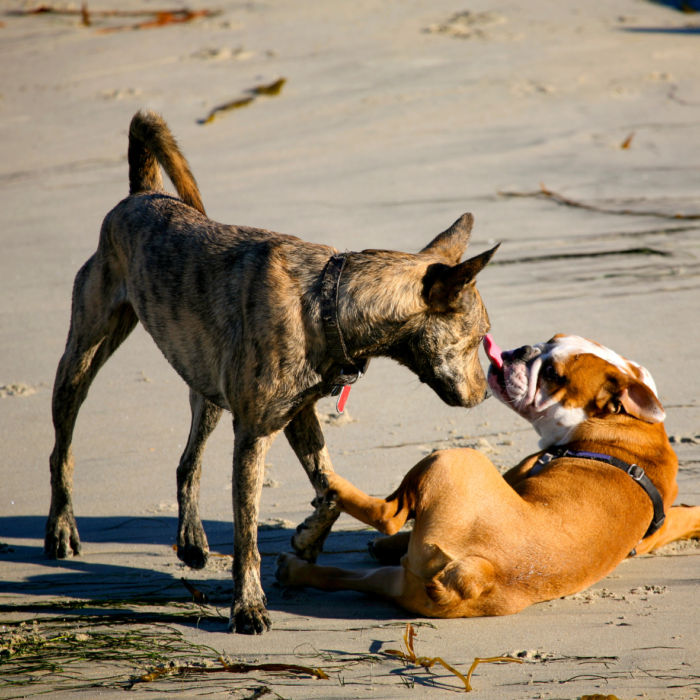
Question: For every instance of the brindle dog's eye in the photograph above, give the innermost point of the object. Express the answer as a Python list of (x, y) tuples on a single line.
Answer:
[(551, 374)]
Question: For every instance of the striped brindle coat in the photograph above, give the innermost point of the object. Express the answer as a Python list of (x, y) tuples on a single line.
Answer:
[(235, 310)]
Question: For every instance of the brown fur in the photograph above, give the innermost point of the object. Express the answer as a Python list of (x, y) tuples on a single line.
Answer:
[(236, 312), (486, 544)]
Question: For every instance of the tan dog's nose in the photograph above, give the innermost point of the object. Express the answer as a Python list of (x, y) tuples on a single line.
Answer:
[(523, 354)]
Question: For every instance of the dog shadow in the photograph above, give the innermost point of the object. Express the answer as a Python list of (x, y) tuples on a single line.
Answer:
[(661, 30), (155, 576)]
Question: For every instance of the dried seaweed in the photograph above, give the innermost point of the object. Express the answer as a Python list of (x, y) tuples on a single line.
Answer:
[(161, 18), (65, 654), (488, 660), (428, 662), (627, 142), (271, 89), (60, 652), (543, 192)]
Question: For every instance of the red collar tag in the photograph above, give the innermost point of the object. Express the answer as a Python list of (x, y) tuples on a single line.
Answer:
[(342, 399)]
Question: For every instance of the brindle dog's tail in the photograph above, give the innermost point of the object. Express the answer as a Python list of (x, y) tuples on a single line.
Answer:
[(150, 143)]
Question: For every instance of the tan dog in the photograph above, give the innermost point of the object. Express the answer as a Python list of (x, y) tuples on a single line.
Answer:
[(260, 324), (486, 544)]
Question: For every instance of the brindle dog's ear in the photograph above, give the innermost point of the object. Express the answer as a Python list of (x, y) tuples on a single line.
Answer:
[(444, 286), (640, 401), (452, 243)]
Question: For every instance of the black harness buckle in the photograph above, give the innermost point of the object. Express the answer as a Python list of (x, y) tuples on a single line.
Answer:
[(636, 472)]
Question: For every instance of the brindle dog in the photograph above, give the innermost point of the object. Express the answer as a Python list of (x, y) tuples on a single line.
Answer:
[(237, 313)]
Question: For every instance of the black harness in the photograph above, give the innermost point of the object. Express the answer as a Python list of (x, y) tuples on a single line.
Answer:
[(634, 470), (350, 370)]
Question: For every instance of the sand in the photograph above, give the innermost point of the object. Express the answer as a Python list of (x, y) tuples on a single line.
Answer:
[(396, 118)]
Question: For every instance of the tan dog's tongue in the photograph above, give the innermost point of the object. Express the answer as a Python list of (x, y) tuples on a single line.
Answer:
[(493, 351)]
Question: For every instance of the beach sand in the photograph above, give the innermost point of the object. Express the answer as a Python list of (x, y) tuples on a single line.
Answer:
[(395, 119)]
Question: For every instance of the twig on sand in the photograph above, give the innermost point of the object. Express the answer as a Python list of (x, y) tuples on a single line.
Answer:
[(197, 595), (561, 199), (233, 668), (272, 89), (226, 107), (428, 662), (269, 90)]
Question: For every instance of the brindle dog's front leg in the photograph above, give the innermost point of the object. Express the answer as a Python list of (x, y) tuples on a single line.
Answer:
[(192, 545), (306, 438), (248, 613)]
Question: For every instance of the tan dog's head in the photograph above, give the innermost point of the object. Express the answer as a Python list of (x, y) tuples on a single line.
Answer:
[(560, 384)]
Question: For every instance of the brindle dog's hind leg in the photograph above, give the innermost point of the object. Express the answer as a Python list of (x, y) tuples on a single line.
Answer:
[(192, 545), (306, 438), (102, 318)]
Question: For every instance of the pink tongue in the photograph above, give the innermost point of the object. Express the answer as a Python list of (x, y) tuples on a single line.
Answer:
[(493, 351)]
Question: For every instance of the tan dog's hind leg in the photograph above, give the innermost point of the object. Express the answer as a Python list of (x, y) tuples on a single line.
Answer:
[(102, 318), (446, 493), (441, 587), (388, 581), (192, 545), (682, 523), (389, 550)]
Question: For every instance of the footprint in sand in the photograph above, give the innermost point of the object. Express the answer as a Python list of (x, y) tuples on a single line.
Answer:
[(17, 389)]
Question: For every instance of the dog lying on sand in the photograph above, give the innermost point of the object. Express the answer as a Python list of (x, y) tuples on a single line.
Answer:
[(485, 544), (260, 324)]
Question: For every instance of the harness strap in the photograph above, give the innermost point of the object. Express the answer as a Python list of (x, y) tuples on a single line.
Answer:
[(350, 371), (633, 470)]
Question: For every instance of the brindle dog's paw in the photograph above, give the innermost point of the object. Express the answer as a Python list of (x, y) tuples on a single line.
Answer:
[(192, 544), (308, 540), (194, 555), (250, 620), (62, 539)]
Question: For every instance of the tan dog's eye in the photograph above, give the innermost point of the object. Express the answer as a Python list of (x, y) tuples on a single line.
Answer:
[(551, 374), (615, 407)]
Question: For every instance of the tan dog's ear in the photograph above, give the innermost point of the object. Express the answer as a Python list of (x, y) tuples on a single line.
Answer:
[(452, 243), (445, 288), (640, 401)]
